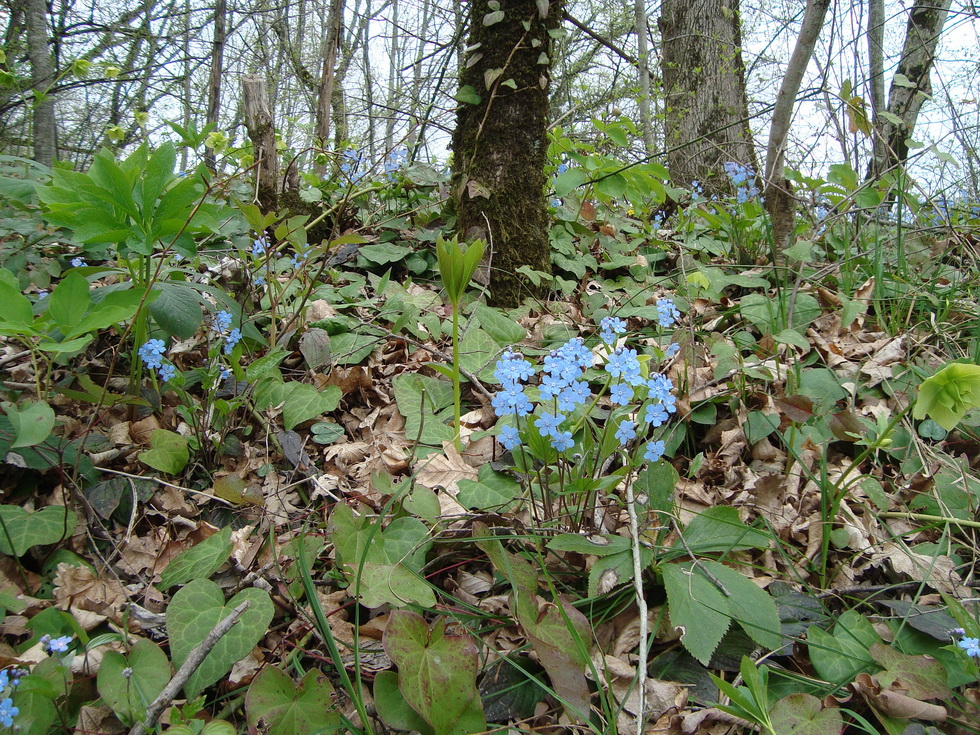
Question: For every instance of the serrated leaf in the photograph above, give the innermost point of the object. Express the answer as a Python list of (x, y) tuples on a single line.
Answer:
[(177, 310), (199, 561), (750, 605), (719, 530), (168, 453), (130, 695), (437, 673), (697, 607), (20, 530), (278, 706), (192, 614)]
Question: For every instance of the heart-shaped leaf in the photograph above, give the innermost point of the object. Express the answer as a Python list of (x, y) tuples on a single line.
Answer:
[(198, 562), (168, 452), (277, 706), (193, 613), (129, 695), (20, 530)]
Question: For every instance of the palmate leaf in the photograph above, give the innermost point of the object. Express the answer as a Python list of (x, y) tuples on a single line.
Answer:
[(946, 396)]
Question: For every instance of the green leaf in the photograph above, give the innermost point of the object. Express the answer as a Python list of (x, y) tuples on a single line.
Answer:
[(949, 394), (168, 453), (719, 530), (392, 706), (838, 658), (569, 180), (759, 425), (115, 307), (467, 95), (199, 561), (384, 253), (750, 605), (20, 530), (490, 491), (70, 300), (390, 584), (300, 401), (597, 545), (17, 313), (804, 714), (177, 310), (129, 696), (922, 677), (611, 186), (502, 329), (900, 80), (277, 706), (426, 403), (697, 607), (437, 673), (32, 423), (192, 614)]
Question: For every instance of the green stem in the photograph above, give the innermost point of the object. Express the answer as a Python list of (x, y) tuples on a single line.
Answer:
[(457, 391)]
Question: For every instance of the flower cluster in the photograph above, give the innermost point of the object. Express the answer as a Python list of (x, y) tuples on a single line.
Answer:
[(221, 325), (563, 387), (743, 178), (395, 160), (151, 354), (667, 313), (260, 246), (9, 680)]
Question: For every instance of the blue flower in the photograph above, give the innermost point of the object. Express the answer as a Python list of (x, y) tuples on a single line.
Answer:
[(55, 645), (660, 387), (8, 712), (656, 415), (78, 262), (511, 401), (259, 247), (167, 372), (222, 321), (551, 387), (562, 441), (152, 353), (4, 679), (624, 364), (672, 349), (548, 424), (297, 263), (511, 369), (509, 437), (574, 394), (971, 646), (655, 450), (259, 281), (232, 339), (611, 326), (42, 293), (621, 394), (626, 431), (667, 312)]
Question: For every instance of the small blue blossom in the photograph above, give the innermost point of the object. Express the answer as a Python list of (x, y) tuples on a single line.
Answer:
[(548, 424), (55, 645), (167, 372), (42, 293), (624, 364), (660, 387), (4, 679), (626, 431), (551, 387), (259, 247), (151, 353), (296, 262), (611, 326), (667, 312), (512, 369), (656, 415), (8, 712), (971, 646), (621, 394), (672, 349), (225, 373), (222, 321), (574, 394), (509, 437), (259, 281), (655, 450), (562, 441), (233, 338), (78, 262), (511, 401)]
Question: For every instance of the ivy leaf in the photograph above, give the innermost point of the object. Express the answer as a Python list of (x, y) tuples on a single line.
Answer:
[(21, 530), (946, 396), (199, 561), (279, 707), (168, 452)]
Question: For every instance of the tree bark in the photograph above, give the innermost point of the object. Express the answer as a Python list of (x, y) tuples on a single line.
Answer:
[(905, 97), (328, 78), (643, 65), (42, 77), (778, 192), (500, 143), (262, 132), (704, 81), (217, 69)]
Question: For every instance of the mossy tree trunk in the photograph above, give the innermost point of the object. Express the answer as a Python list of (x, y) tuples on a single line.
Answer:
[(704, 80), (500, 141)]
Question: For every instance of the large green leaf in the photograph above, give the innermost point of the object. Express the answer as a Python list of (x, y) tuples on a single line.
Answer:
[(177, 309), (719, 530), (20, 529), (195, 610), (838, 658), (199, 561), (276, 705), (168, 452), (491, 490), (749, 604), (130, 692), (697, 607), (426, 403), (300, 401)]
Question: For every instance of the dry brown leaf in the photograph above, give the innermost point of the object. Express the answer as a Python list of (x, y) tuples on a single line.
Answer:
[(937, 571), (89, 597), (445, 470)]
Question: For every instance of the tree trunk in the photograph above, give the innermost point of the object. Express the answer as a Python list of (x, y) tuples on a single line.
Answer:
[(262, 132), (778, 194), (643, 65), (500, 142), (42, 77), (328, 78), (704, 82), (217, 69), (910, 85)]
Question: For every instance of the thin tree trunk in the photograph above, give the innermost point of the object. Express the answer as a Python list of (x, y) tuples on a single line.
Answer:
[(643, 52), (707, 117), (42, 77), (217, 69), (324, 105), (778, 195), (910, 85), (262, 132), (394, 79)]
